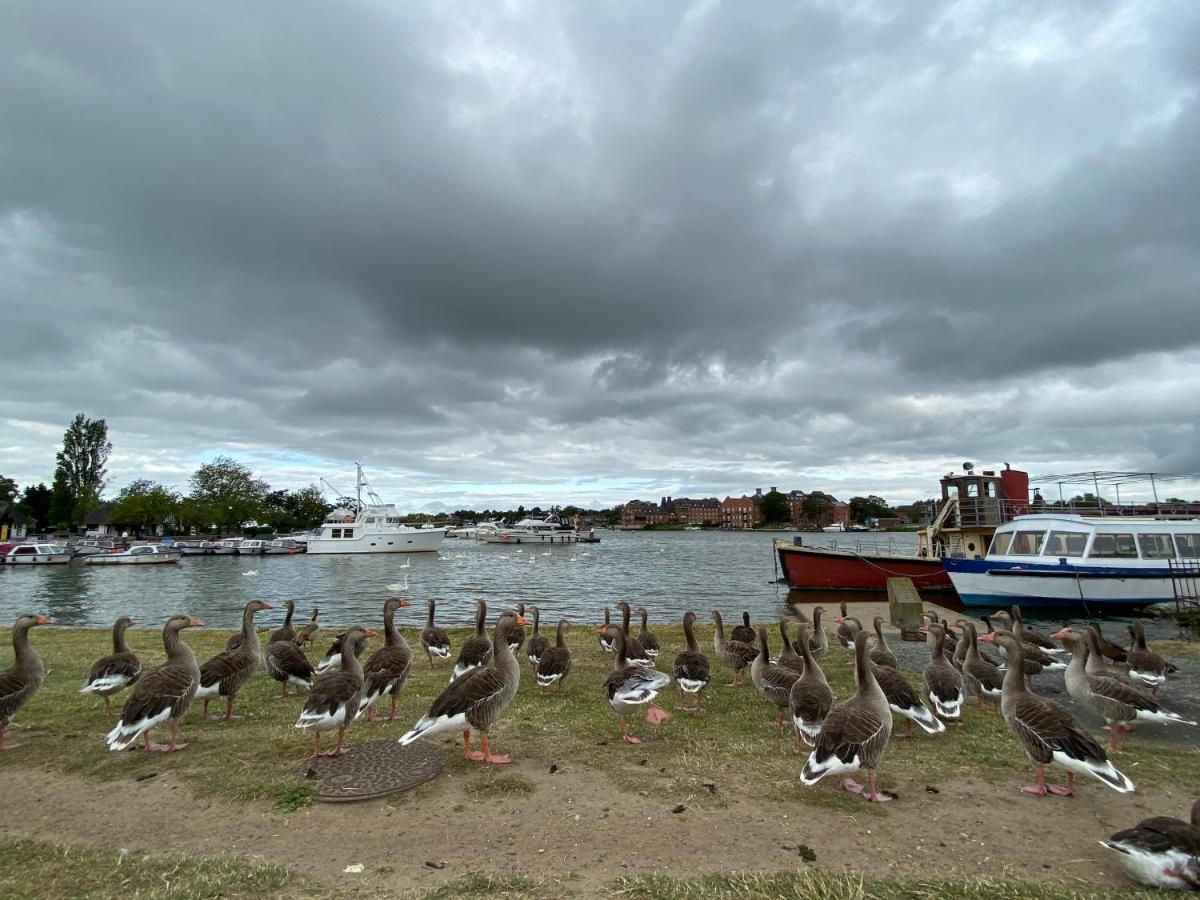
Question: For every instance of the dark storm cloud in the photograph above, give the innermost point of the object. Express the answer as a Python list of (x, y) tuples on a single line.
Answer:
[(695, 245)]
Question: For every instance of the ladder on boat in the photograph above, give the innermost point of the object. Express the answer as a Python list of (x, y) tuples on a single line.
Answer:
[(1185, 585)]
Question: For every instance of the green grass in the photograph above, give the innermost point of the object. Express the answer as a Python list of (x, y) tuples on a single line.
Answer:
[(261, 758), (491, 784), (815, 884), (52, 871)]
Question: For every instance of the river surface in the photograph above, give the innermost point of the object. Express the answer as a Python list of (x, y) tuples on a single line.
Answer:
[(669, 572)]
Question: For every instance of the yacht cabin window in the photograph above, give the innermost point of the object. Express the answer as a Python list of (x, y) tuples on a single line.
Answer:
[(1065, 543), (1001, 543), (348, 533), (1027, 543), (1114, 546), (1156, 546), (1189, 545), (335, 533)]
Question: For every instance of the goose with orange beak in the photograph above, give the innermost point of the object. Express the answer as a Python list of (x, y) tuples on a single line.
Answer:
[(22, 681), (335, 700), (474, 700)]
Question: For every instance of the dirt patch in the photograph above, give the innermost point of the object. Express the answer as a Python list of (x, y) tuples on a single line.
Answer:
[(573, 827)]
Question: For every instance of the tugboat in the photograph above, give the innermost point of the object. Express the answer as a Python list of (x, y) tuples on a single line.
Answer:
[(973, 506)]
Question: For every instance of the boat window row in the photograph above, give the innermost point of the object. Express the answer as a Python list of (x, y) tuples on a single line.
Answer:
[(342, 533), (1105, 545)]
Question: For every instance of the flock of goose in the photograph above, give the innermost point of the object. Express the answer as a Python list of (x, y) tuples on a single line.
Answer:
[(844, 737)]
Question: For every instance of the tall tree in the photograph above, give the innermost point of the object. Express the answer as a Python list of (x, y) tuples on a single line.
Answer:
[(815, 505), (35, 503), (8, 489), (82, 461), (226, 493), (144, 504), (307, 507), (871, 507), (62, 502), (774, 508)]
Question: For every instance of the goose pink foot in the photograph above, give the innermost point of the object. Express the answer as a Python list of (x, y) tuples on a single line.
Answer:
[(656, 714), (849, 784)]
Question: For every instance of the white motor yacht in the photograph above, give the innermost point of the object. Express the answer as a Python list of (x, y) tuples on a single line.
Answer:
[(377, 527), (548, 530)]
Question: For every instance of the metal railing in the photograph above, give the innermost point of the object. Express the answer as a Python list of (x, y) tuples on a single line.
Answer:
[(1185, 585), (990, 512)]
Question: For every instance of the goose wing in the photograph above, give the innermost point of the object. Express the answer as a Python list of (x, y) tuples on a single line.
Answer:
[(286, 659), (168, 688), (1045, 728), (634, 684)]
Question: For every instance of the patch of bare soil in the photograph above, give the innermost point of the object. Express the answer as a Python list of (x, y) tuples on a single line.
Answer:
[(576, 829)]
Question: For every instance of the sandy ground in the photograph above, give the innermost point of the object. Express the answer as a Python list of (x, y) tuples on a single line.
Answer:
[(575, 829)]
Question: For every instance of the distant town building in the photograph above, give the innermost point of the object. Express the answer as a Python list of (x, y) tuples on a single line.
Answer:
[(732, 513)]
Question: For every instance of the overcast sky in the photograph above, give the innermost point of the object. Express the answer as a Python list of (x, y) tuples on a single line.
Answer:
[(584, 252)]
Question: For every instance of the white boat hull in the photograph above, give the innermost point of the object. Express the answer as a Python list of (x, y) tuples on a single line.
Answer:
[(115, 559), (46, 559), (412, 540), (507, 538)]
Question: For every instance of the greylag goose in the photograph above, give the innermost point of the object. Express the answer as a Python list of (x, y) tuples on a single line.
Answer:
[(332, 660), (1034, 660), (949, 635), (691, 669), (1049, 734), (25, 677), (1095, 660), (1106, 649), (855, 733), (772, 681), (554, 664), (433, 639), (904, 700), (1145, 665), (517, 638), (162, 694), (943, 684), (1027, 635), (474, 700), (603, 635), (1121, 704), (810, 698), (287, 664), (1161, 852), (387, 668), (116, 671), (881, 653), (737, 655), (334, 701), (744, 632), (645, 636), (980, 677), (224, 674), (476, 650), (818, 643), (286, 632), (629, 686), (847, 628), (788, 657), (634, 651), (538, 642)]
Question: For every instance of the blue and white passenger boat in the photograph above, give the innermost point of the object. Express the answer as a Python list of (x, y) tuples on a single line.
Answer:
[(1059, 560)]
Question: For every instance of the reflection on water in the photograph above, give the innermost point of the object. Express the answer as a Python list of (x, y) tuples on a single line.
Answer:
[(668, 572)]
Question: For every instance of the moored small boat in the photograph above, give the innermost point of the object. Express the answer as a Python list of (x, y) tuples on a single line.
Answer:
[(140, 555), (37, 555)]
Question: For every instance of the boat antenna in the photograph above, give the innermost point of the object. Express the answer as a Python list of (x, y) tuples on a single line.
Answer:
[(358, 483)]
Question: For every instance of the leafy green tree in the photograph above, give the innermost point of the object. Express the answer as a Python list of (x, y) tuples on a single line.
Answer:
[(225, 493), (62, 502), (775, 508), (871, 507), (8, 489), (81, 463), (307, 507), (35, 503), (144, 504), (815, 505)]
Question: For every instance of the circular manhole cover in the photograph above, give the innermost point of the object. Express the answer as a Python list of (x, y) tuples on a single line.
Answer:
[(373, 770)]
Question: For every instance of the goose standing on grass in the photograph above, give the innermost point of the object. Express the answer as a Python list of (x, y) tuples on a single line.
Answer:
[(332, 660), (818, 644), (1107, 650), (603, 635), (634, 651), (847, 628), (287, 664), (737, 655), (629, 686), (387, 668), (116, 671), (1161, 852), (646, 637), (904, 701), (788, 657), (855, 733), (554, 663), (1028, 635), (433, 639), (538, 642), (334, 701), (1145, 665), (691, 669), (882, 654), (517, 638), (162, 695), (810, 698), (943, 684), (474, 700), (224, 674), (772, 681), (1120, 704), (744, 632), (980, 678), (286, 631), (1046, 660), (25, 677), (1049, 734), (476, 650)]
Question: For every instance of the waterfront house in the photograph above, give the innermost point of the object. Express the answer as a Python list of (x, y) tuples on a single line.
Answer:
[(13, 523)]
